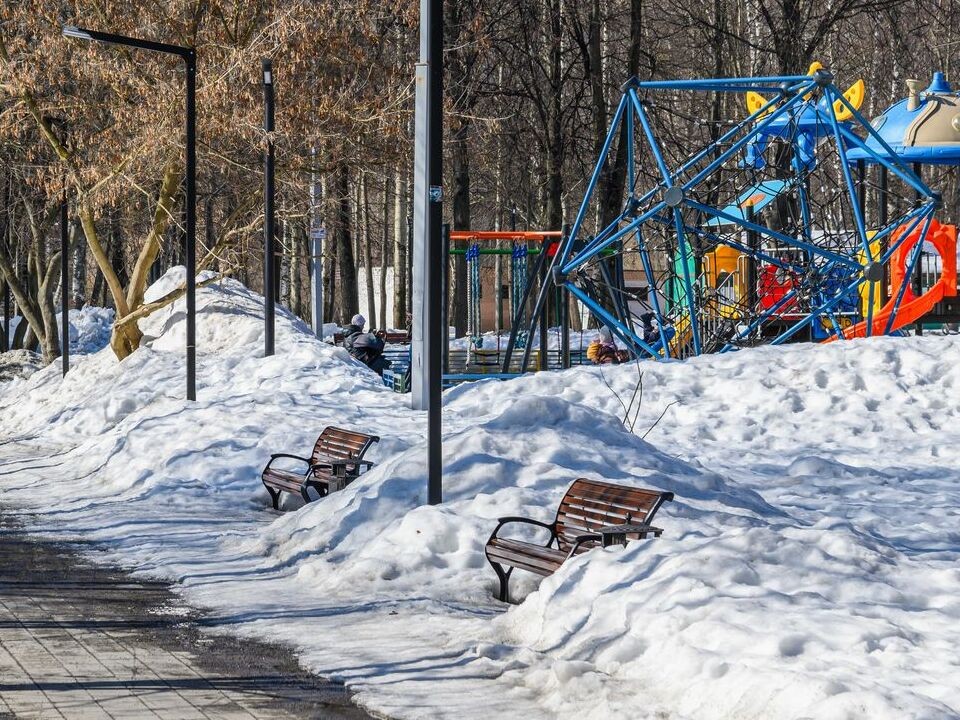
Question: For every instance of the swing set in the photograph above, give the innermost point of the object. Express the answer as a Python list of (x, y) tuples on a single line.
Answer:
[(530, 253)]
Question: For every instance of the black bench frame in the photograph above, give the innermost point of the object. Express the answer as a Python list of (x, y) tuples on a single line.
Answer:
[(327, 475)]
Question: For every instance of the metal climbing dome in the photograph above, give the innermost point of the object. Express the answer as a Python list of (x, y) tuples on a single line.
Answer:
[(748, 232)]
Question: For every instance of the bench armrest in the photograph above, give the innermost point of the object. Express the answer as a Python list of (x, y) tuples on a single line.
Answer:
[(277, 456), (615, 535), (529, 521), (339, 466)]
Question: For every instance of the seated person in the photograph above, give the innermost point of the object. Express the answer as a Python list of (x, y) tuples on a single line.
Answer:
[(603, 350), (365, 347), (652, 333)]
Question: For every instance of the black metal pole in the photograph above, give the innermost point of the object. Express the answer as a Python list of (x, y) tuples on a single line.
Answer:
[(189, 56), (516, 320), (753, 242), (64, 288), (917, 279), (190, 59), (269, 236), (444, 337), (564, 312), (882, 219), (862, 188), (545, 310), (434, 19)]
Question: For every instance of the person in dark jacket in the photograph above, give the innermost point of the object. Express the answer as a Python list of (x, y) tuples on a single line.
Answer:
[(365, 347), (351, 331)]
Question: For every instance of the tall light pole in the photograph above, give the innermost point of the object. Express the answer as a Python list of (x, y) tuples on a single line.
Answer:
[(189, 57), (428, 330), (269, 235), (64, 287)]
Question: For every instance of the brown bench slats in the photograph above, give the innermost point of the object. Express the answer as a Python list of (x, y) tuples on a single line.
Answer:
[(540, 560), (591, 514), (336, 460)]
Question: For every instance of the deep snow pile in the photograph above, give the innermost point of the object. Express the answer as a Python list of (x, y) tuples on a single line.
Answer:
[(89, 328), (808, 568)]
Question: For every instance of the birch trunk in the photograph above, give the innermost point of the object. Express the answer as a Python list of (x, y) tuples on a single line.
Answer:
[(384, 245), (367, 262), (400, 251)]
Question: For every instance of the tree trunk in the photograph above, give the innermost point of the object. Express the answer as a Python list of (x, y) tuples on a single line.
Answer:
[(460, 165), (400, 248), (347, 267), (367, 262), (384, 245), (286, 241), (554, 129), (298, 242), (78, 286)]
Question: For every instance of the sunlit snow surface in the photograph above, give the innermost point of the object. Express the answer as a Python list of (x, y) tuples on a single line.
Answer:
[(808, 567)]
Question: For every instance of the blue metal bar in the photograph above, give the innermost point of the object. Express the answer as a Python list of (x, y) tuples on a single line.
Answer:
[(721, 83), (919, 214), (756, 132), (774, 234), (914, 257), (837, 330), (893, 162), (613, 323), (468, 377), (914, 216), (711, 148), (780, 339), (597, 247), (687, 285), (630, 150), (724, 240), (601, 237), (830, 91), (805, 210), (651, 140), (581, 213), (651, 286), (763, 317)]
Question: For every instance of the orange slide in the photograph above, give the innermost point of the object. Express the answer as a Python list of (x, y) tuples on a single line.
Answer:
[(912, 308)]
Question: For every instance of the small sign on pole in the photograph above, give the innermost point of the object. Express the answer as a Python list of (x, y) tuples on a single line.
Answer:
[(318, 236)]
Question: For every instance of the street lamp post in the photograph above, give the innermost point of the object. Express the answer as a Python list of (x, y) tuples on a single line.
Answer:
[(269, 236), (64, 288), (189, 57), (428, 333)]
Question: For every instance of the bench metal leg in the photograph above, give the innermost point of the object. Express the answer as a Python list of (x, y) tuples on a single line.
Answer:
[(274, 496), (504, 595)]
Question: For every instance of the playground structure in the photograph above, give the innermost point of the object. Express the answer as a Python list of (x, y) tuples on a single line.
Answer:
[(530, 254), (800, 221), (761, 235)]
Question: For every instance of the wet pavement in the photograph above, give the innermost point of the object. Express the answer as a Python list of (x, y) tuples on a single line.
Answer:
[(80, 641)]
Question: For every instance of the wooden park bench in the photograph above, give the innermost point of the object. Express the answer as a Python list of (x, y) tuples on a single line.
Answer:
[(337, 460), (592, 514)]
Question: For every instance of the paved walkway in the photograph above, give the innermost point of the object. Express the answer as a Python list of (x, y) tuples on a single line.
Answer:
[(79, 641)]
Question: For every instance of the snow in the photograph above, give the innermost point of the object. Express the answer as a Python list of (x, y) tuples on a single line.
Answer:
[(808, 567), (89, 328)]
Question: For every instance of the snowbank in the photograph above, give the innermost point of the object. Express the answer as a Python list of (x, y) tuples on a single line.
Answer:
[(89, 328), (808, 567)]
